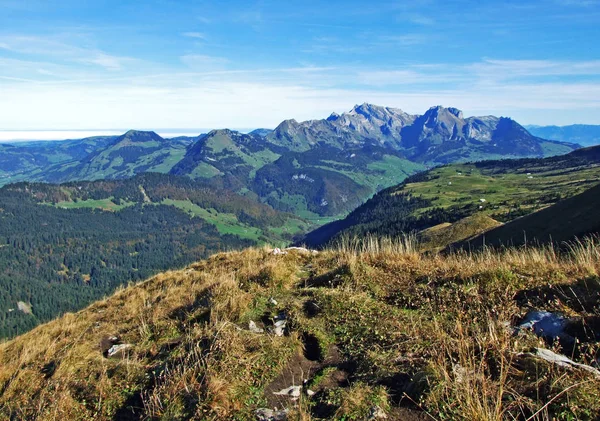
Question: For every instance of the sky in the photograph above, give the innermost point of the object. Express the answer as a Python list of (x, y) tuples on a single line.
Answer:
[(83, 65)]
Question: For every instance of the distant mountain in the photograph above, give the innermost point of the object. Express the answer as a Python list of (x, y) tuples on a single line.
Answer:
[(261, 132), (566, 220), (123, 156), (441, 135), (227, 153), (502, 190), (318, 169), (25, 159), (322, 181), (583, 134)]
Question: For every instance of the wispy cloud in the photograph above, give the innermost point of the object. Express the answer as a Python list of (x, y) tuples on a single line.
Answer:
[(213, 94), (49, 47), (404, 39), (197, 35), (419, 19)]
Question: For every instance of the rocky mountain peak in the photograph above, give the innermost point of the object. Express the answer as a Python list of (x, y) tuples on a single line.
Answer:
[(438, 111), (333, 117)]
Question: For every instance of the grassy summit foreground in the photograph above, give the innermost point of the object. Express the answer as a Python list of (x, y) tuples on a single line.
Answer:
[(371, 330)]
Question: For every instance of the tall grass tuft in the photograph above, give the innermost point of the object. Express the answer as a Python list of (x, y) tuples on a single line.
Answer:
[(406, 244)]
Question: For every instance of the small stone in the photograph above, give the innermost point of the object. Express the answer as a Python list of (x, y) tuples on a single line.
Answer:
[(562, 361), (310, 392), (24, 307), (273, 301), (377, 413), (279, 324), (118, 350), (277, 252), (265, 414), (253, 328), (292, 392)]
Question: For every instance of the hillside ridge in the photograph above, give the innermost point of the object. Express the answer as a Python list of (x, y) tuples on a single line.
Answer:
[(367, 328)]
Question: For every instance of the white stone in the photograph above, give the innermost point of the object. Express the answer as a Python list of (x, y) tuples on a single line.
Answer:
[(117, 350), (253, 328), (561, 360), (265, 414), (292, 392)]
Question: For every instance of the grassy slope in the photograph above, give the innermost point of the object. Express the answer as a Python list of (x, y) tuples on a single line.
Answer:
[(382, 327), (501, 190), (442, 235), (226, 223), (573, 217), (387, 171)]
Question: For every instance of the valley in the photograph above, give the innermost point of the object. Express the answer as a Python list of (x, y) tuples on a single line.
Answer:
[(501, 190)]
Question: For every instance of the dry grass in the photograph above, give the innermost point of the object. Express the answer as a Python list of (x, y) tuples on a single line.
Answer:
[(400, 328)]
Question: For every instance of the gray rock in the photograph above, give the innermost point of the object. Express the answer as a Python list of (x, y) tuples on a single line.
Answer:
[(280, 324), (119, 350), (292, 392), (545, 324), (561, 360), (24, 307), (376, 413), (253, 328), (265, 414)]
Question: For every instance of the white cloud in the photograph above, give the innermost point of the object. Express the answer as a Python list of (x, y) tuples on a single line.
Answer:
[(197, 35), (232, 102), (214, 94), (405, 39), (56, 49), (105, 60)]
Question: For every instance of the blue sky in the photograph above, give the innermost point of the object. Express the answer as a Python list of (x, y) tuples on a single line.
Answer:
[(205, 64)]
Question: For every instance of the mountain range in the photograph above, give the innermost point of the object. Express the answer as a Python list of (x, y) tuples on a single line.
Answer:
[(583, 134), (318, 169)]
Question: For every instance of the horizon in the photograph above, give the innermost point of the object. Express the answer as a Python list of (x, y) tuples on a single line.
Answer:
[(73, 66), (45, 135)]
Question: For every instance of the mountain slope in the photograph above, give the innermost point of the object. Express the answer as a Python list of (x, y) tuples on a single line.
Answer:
[(225, 152), (322, 181), (503, 190), (566, 220), (63, 246), (23, 160), (583, 134), (442, 235), (385, 332), (132, 153)]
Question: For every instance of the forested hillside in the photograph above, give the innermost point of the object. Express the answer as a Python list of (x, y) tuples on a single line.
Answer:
[(63, 246)]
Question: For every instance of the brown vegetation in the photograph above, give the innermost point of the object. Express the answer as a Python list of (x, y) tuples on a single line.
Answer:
[(373, 326)]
